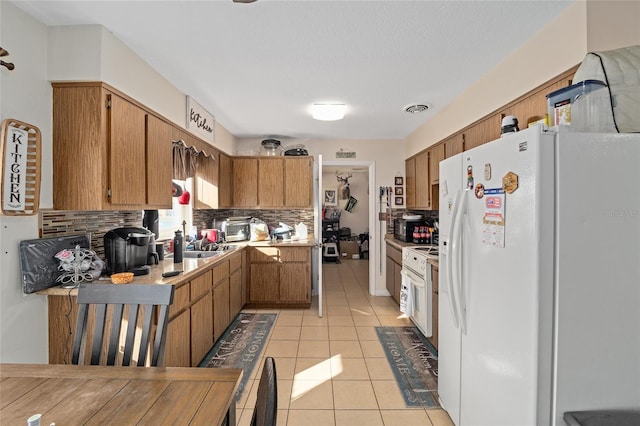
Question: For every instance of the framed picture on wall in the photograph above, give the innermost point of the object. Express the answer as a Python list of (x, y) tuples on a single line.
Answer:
[(399, 201), (330, 197), (398, 190), (399, 180)]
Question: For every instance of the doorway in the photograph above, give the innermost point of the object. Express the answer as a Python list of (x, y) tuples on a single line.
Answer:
[(359, 218)]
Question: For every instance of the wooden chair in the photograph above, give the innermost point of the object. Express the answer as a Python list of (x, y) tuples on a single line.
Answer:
[(266, 410), (111, 301)]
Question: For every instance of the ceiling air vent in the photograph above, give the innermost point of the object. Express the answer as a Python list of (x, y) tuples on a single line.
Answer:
[(416, 108)]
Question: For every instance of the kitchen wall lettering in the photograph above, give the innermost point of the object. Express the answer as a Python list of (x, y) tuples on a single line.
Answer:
[(200, 121), (20, 144)]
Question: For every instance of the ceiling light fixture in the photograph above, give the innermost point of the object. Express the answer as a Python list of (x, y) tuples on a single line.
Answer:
[(328, 112), (416, 108)]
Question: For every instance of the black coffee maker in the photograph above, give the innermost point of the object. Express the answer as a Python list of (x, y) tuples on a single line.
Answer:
[(127, 250)]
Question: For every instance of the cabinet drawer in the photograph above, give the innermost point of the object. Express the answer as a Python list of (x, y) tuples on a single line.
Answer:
[(180, 299), (220, 271), (235, 262), (394, 254), (200, 285), (295, 254), (264, 254)]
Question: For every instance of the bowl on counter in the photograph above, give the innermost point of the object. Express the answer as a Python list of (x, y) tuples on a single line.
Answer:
[(122, 278)]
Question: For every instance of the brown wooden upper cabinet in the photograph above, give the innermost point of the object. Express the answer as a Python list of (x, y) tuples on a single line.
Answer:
[(276, 183), (107, 151), (245, 182), (206, 183), (418, 183), (298, 182)]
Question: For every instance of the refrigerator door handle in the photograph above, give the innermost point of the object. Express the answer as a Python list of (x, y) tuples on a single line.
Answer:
[(449, 262), (456, 257), (462, 302)]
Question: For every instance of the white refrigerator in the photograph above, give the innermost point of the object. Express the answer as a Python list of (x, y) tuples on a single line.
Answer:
[(539, 308)]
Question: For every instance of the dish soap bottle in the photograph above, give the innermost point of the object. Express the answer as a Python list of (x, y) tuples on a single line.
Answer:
[(178, 244)]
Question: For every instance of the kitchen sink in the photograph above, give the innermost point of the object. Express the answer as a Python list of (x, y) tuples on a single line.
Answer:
[(197, 254)]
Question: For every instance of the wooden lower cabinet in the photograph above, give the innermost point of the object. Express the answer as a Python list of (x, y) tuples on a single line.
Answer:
[(221, 317), (177, 352), (201, 338), (393, 275), (227, 292), (279, 277), (434, 334), (189, 336)]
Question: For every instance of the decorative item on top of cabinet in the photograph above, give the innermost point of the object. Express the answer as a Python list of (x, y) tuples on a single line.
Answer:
[(100, 143)]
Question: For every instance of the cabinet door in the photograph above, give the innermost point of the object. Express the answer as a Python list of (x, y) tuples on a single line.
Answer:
[(79, 139), (271, 182), (298, 182), (159, 162), (235, 294), (177, 351), (397, 281), (435, 279), (423, 185), (436, 156), (245, 182), (410, 173), (390, 280), (127, 176), (295, 282), (225, 177), (221, 317), (201, 323), (206, 183), (264, 279), (454, 145)]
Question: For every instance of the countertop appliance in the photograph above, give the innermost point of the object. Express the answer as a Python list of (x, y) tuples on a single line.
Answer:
[(127, 250), (416, 280), (236, 228), (404, 229), (539, 273)]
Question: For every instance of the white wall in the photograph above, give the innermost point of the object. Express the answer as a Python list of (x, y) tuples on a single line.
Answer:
[(91, 53), (25, 95), (582, 27), (358, 219)]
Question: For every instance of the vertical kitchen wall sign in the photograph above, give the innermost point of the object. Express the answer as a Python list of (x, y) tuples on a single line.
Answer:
[(200, 121), (21, 168)]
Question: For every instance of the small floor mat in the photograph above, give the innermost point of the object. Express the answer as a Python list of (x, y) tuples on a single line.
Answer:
[(241, 344), (414, 362)]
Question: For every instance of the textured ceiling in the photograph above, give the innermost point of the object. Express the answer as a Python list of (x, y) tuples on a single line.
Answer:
[(258, 67)]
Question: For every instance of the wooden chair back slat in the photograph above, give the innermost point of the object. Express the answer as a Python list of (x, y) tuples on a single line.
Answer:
[(127, 313)]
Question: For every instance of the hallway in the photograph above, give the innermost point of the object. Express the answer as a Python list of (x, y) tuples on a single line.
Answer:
[(332, 370)]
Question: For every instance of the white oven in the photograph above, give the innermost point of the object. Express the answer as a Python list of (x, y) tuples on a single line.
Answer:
[(416, 277)]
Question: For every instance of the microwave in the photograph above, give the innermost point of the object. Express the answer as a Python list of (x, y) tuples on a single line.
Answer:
[(403, 229), (236, 230)]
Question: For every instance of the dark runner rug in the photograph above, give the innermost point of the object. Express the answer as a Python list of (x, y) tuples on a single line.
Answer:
[(240, 345), (414, 362)]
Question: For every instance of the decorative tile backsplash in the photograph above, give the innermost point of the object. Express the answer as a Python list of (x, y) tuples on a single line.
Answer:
[(56, 223), (204, 219)]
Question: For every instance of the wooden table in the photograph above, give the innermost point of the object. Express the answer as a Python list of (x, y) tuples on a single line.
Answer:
[(71, 394)]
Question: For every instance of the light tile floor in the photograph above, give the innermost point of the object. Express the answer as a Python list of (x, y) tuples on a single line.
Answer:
[(332, 369)]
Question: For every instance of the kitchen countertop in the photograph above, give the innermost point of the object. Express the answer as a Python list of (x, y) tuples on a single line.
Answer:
[(390, 239), (191, 267)]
